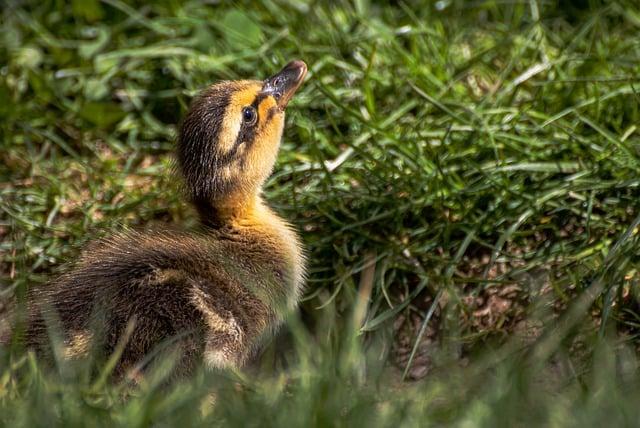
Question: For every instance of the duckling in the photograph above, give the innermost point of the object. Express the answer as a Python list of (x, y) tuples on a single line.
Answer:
[(214, 294)]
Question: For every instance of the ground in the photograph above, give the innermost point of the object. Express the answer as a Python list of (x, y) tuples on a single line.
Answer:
[(464, 176)]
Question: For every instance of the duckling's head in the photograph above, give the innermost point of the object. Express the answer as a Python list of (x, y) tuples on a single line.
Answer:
[(229, 139)]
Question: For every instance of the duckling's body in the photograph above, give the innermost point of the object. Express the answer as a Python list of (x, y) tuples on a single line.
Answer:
[(214, 293)]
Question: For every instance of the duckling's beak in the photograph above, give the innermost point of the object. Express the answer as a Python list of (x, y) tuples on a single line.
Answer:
[(284, 84)]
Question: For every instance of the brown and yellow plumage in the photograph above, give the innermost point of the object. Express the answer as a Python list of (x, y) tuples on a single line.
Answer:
[(215, 292)]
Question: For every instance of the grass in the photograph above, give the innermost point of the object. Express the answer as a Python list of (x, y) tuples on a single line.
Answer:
[(473, 164)]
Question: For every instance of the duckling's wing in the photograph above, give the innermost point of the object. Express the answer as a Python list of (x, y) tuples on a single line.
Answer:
[(167, 285)]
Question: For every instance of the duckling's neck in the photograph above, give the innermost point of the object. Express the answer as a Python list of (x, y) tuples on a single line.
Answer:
[(240, 210), (250, 216), (229, 210)]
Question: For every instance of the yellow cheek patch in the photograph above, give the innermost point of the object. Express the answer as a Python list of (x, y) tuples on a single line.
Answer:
[(267, 142), (230, 129)]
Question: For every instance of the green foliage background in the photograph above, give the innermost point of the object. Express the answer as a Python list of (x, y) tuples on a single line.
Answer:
[(462, 146)]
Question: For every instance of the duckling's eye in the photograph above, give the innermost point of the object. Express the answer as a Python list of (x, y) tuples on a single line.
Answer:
[(249, 115)]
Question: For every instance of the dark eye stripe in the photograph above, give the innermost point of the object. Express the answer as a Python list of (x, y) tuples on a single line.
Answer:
[(248, 131), (270, 113), (258, 99)]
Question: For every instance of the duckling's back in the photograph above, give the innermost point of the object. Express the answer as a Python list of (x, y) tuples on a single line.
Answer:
[(213, 294)]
